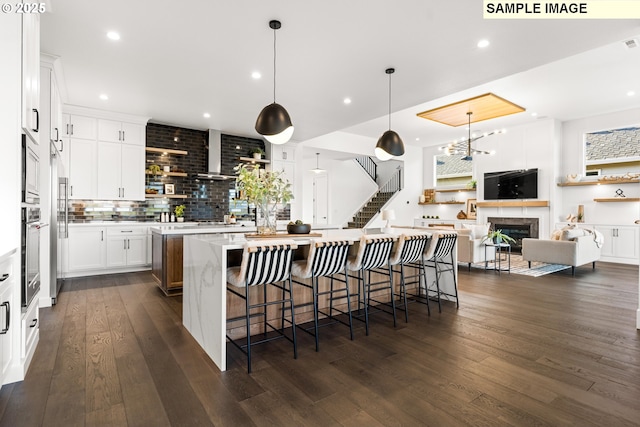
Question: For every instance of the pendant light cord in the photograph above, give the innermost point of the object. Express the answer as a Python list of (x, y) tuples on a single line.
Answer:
[(274, 65), (469, 138), (389, 101)]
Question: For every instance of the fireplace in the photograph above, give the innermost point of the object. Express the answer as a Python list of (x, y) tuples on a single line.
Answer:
[(517, 228)]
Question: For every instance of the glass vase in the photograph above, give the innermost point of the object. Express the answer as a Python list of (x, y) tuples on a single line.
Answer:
[(266, 218)]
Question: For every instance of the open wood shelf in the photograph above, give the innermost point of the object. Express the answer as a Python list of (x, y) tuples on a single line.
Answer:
[(165, 150), (165, 196), (454, 190), (514, 204), (442, 203), (619, 199), (252, 160), (603, 182), (183, 174)]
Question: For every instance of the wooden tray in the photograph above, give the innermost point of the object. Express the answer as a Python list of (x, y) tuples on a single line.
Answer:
[(280, 235)]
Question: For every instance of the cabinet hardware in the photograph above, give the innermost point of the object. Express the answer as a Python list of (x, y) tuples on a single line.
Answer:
[(57, 135), (123, 135), (61, 145), (4, 277), (33, 324), (7, 317), (68, 129), (125, 244), (71, 190), (122, 192), (101, 235), (71, 128), (35, 110), (128, 244), (126, 231)]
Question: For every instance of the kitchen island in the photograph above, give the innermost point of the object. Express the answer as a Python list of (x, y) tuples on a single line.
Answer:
[(206, 258)]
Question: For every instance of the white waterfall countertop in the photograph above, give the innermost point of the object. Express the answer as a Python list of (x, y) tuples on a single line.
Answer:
[(204, 306), (176, 228)]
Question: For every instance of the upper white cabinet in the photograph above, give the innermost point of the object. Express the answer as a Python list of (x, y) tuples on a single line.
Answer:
[(283, 152), (51, 123), (30, 116), (107, 157), (128, 133)]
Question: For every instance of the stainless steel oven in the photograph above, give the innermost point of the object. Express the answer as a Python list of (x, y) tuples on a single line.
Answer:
[(30, 171), (31, 226)]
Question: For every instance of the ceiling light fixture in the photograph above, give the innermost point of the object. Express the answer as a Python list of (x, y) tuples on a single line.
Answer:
[(483, 43), (454, 147), (256, 75), (317, 169), (347, 101), (273, 121), (389, 145), (631, 93), (113, 35), (206, 115), (104, 96)]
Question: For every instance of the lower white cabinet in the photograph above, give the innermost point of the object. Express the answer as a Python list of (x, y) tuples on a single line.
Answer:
[(620, 243), (7, 285), (126, 246), (30, 329), (87, 249), (106, 248)]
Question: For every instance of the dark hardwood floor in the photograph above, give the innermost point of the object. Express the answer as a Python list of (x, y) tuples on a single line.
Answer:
[(550, 351)]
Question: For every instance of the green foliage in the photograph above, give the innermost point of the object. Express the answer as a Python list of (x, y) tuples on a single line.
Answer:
[(256, 150), (259, 186), (179, 210), (497, 234)]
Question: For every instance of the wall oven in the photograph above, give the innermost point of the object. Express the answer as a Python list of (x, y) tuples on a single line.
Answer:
[(30, 171), (30, 251)]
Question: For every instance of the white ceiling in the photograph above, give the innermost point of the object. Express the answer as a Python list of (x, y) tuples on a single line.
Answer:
[(177, 60)]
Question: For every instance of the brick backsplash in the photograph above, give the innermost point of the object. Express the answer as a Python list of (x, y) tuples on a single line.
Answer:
[(206, 200)]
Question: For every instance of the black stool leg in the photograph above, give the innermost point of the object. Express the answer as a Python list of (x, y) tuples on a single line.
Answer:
[(315, 310), (424, 275), (403, 290), (248, 329), (393, 300), (293, 318), (346, 283)]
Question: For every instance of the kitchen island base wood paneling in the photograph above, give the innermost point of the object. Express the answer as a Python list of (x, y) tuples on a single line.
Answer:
[(166, 263)]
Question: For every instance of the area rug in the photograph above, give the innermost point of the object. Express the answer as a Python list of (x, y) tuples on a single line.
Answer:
[(520, 266)]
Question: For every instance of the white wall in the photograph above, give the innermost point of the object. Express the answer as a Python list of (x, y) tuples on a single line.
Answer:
[(573, 162)]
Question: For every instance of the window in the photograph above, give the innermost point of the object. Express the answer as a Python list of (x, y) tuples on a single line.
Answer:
[(612, 152)]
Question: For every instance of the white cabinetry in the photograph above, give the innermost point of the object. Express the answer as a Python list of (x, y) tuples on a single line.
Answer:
[(107, 157), (50, 106), (7, 285), (30, 330), (620, 243), (86, 249), (283, 159), (126, 246), (31, 75)]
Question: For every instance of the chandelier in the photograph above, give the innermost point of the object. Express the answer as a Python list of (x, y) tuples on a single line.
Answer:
[(464, 146)]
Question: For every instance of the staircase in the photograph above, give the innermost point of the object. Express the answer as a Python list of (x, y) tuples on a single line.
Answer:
[(379, 200)]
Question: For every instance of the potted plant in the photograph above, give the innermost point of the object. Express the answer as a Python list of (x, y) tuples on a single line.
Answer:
[(256, 152), (471, 185), (497, 237), (265, 190), (179, 210)]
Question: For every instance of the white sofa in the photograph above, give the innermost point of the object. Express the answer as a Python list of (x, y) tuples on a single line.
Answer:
[(573, 251), (470, 247)]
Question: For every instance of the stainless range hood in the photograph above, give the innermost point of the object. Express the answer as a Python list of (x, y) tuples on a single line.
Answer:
[(215, 158)]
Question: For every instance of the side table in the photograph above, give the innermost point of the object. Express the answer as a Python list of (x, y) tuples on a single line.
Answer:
[(499, 249)]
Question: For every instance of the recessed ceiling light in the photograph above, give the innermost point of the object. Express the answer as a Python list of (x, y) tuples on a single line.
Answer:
[(483, 43), (256, 75), (534, 114), (417, 139), (631, 93), (113, 35), (347, 101), (206, 115), (104, 96)]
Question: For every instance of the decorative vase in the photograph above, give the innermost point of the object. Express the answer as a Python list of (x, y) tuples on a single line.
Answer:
[(497, 240), (266, 217), (180, 219), (580, 213), (257, 156)]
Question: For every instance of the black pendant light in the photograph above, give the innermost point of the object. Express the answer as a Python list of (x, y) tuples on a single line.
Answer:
[(389, 145), (273, 121)]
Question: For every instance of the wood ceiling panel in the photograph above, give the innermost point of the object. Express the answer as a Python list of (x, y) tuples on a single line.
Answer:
[(483, 107)]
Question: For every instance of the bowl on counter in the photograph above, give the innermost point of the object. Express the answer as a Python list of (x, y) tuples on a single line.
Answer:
[(298, 228)]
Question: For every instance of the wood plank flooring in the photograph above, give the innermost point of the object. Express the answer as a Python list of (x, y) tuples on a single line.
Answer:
[(549, 351)]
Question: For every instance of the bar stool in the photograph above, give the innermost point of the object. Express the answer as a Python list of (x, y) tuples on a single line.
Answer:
[(267, 264), (373, 254), (409, 252), (441, 248), (326, 258)]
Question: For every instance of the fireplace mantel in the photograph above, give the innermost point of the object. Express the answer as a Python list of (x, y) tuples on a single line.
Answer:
[(514, 204)]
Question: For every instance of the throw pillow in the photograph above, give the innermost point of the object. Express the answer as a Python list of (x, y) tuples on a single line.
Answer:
[(478, 231), (573, 233)]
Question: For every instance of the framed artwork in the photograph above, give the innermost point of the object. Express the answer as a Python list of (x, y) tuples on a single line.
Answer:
[(169, 189), (471, 208)]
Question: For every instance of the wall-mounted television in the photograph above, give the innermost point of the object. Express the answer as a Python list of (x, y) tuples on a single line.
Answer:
[(515, 184)]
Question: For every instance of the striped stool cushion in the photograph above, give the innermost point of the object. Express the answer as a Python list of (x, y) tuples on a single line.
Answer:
[(373, 252), (326, 257), (410, 248), (263, 262)]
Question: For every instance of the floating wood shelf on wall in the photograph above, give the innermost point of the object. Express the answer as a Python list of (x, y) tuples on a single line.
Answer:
[(514, 204), (619, 199), (165, 150), (161, 173), (602, 182), (166, 196), (442, 203), (454, 190)]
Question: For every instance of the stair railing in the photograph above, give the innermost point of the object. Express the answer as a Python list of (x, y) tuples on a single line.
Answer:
[(369, 166)]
